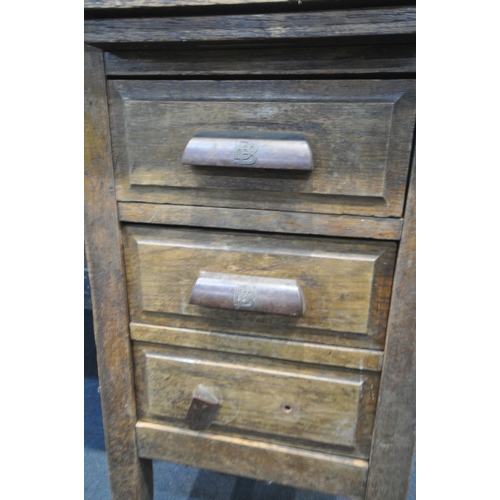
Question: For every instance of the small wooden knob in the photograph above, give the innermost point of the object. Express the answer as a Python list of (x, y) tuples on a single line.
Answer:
[(202, 410)]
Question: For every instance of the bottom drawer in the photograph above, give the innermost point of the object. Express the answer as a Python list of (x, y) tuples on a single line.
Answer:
[(274, 401)]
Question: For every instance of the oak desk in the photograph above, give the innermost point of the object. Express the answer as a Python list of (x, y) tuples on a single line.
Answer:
[(250, 234)]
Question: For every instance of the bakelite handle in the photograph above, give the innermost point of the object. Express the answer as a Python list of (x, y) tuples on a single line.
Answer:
[(202, 410), (248, 293), (270, 150)]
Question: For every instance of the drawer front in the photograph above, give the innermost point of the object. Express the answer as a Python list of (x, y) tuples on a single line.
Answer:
[(345, 286), (359, 133), (274, 400)]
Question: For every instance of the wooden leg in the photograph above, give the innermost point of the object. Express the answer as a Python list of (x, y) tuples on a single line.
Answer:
[(394, 434), (130, 476)]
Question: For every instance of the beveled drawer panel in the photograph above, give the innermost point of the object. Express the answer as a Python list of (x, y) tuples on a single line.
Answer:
[(360, 134), (277, 401), (345, 284)]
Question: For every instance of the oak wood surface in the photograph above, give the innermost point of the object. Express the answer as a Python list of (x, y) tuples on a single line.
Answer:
[(360, 134), (270, 400), (306, 352), (135, 4), (262, 220), (346, 284), (253, 27), (394, 435), (244, 457), (130, 477), (353, 60), (390, 460)]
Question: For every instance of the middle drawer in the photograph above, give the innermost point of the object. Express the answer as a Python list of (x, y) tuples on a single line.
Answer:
[(345, 284)]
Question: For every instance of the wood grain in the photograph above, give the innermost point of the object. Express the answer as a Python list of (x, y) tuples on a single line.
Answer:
[(343, 357), (346, 285), (130, 477), (135, 4), (394, 436), (244, 457), (359, 132), (370, 206), (131, 4), (354, 60), (262, 220), (253, 27), (275, 401)]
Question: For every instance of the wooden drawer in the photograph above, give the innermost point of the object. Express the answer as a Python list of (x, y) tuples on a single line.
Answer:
[(309, 407), (346, 284), (360, 134)]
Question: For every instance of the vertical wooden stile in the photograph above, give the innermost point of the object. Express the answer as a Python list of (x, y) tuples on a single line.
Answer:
[(130, 477), (394, 433)]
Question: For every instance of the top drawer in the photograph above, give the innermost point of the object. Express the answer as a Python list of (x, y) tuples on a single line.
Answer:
[(360, 134)]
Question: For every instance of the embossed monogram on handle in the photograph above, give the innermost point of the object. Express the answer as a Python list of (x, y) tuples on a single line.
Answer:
[(245, 152), (248, 293), (244, 297), (239, 149)]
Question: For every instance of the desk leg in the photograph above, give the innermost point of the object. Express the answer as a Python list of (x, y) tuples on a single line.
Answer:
[(394, 434), (130, 476)]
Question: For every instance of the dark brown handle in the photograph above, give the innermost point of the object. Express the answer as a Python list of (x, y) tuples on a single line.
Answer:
[(202, 410), (248, 293), (271, 150)]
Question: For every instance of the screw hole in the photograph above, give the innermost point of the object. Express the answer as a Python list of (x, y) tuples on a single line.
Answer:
[(287, 408)]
